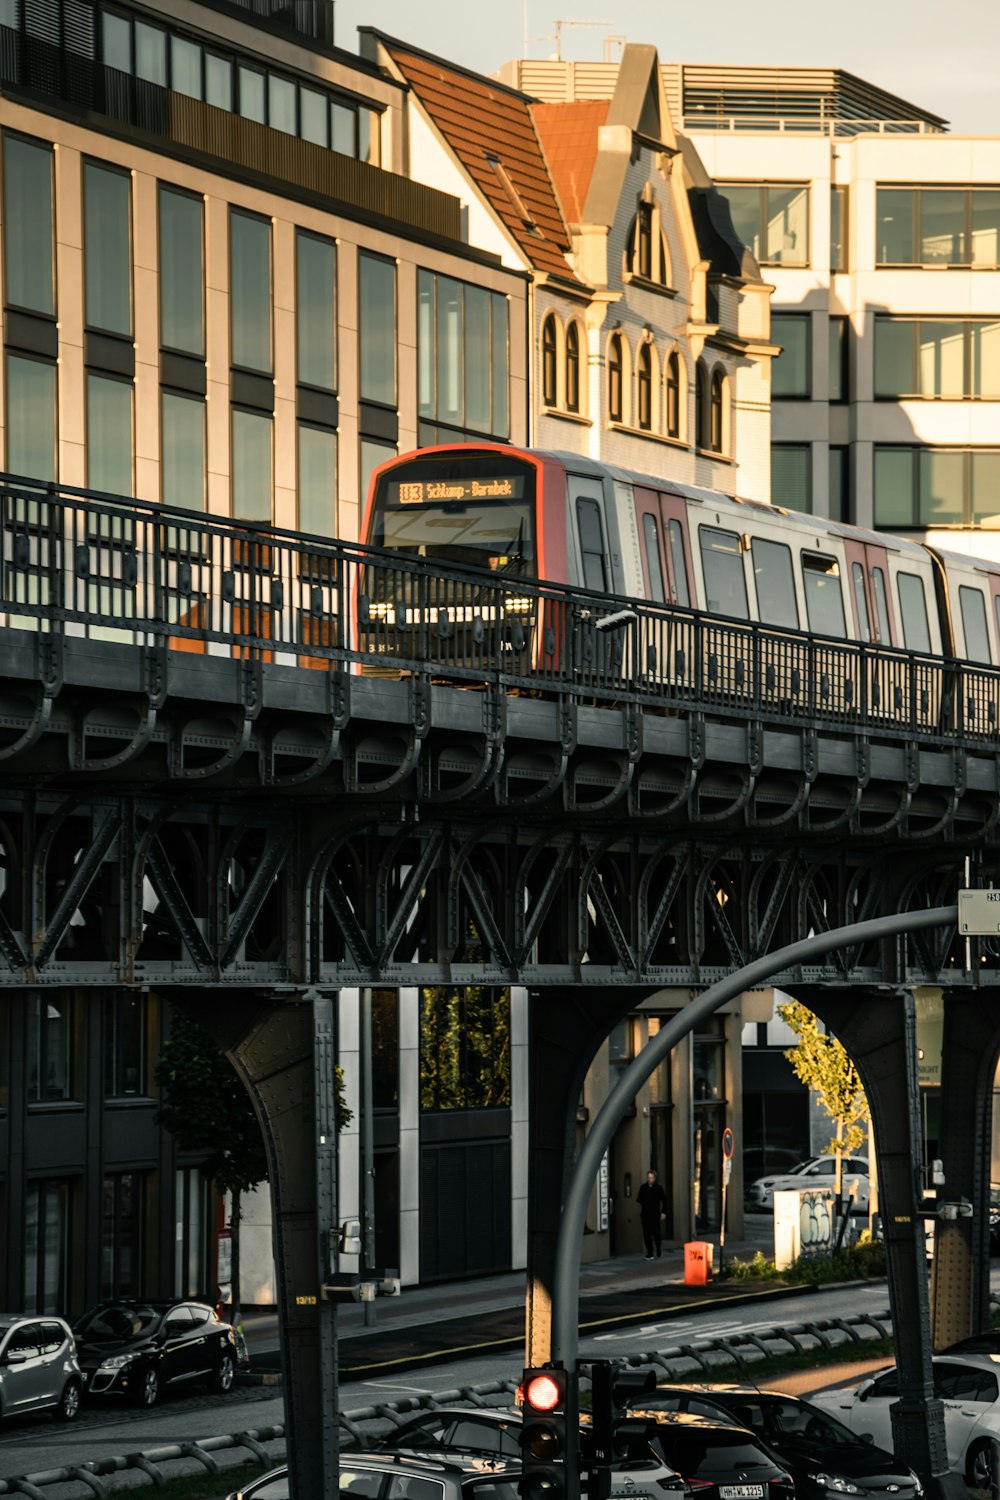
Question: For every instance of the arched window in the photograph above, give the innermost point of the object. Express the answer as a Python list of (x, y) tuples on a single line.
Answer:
[(700, 405), (644, 380), (644, 241), (573, 367), (673, 383), (716, 427), (549, 366), (615, 363)]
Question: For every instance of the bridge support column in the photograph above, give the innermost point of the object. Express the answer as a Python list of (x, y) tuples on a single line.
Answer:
[(960, 1283), (566, 1028), (284, 1054), (879, 1032)]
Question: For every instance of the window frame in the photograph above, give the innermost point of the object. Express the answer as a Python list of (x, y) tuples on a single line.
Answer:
[(168, 188), (791, 320), (763, 191), (616, 378), (236, 212), (644, 387), (917, 192), (20, 138), (573, 365), (96, 164), (550, 361), (332, 244), (672, 386)]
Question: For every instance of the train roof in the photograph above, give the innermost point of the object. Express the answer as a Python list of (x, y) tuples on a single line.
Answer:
[(818, 524)]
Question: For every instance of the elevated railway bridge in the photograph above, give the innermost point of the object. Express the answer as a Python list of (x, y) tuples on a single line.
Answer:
[(246, 768)]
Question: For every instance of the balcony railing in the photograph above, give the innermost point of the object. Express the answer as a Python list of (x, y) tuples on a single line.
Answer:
[(697, 122), (134, 573)]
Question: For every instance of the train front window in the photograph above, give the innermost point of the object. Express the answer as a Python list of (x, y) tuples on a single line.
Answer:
[(477, 513)]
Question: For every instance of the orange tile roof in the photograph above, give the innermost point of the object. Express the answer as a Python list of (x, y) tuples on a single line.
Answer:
[(569, 136), (482, 120)]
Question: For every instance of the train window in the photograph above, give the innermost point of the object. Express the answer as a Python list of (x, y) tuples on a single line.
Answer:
[(977, 639), (824, 600), (588, 520), (861, 600), (722, 565), (913, 609), (651, 536), (675, 534), (881, 606), (772, 571)]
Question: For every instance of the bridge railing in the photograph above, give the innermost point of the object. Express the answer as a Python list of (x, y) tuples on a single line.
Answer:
[(123, 570)]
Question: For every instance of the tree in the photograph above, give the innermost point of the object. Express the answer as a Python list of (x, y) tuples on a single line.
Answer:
[(207, 1109), (820, 1061)]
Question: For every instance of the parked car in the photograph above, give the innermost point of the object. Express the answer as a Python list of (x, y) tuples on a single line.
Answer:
[(818, 1171), (494, 1432), (38, 1366), (138, 1349), (994, 1218), (969, 1387), (822, 1455), (716, 1456), (403, 1476)]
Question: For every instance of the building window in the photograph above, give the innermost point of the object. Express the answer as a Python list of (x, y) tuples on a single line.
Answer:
[(644, 387), (27, 227), (717, 413), (549, 361), (377, 328), (122, 1234), (150, 54), (318, 481), (934, 358), (185, 67), (281, 104), (182, 451), (673, 395), (181, 272), (615, 378), (250, 291), (647, 252), (701, 406), (109, 434), (315, 311), (464, 1048), (124, 1046), (837, 374), (792, 370), (937, 227), (50, 1048), (219, 81), (31, 417), (573, 367), (772, 218), (373, 453), (194, 1266), (46, 1233), (462, 359), (644, 241), (839, 476), (791, 476), (252, 463), (930, 487), (838, 229)]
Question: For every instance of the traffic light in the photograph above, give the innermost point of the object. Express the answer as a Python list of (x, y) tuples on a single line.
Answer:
[(550, 1435), (611, 1388)]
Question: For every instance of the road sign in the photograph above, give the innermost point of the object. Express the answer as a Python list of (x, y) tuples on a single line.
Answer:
[(727, 1135), (727, 1170), (978, 913)]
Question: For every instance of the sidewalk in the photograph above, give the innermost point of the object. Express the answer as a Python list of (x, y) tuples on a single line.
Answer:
[(429, 1323)]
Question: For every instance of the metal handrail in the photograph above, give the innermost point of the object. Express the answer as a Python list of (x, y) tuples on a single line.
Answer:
[(80, 563)]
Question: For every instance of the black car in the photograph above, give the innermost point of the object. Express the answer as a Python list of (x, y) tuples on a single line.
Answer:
[(822, 1455), (716, 1457), (137, 1349)]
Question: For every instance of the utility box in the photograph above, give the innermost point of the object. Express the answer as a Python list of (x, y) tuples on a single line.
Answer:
[(803, 1224), (698, 1262)]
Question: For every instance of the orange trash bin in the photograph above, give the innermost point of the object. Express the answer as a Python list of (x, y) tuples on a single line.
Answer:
[(697, 1263)]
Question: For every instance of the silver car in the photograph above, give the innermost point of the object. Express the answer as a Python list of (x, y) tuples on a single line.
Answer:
[(38, 1367)]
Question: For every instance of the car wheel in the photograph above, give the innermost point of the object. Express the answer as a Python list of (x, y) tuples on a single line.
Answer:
[(69, 1402), (225, 1374), (147, 1392), (979, 1467)]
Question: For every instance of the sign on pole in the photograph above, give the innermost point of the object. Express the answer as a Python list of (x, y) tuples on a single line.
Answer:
[(978, 913), (727, 1144)]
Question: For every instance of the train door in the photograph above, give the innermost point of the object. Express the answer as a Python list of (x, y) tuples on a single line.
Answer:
[(598, 654), (871, 611), (666, 567)]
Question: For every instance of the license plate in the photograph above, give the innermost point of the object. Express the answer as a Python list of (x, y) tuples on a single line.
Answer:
[(741, 1492)]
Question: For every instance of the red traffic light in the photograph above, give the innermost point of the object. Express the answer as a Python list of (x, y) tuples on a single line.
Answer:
[(543, 1393)]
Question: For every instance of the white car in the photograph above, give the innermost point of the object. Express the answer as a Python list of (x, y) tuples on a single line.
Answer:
[(969, 1387), (818, 1171)]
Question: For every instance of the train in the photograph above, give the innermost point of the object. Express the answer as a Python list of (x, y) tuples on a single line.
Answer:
[(697, 556)]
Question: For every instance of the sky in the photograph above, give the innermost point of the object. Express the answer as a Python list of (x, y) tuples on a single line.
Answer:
[(941, 55)]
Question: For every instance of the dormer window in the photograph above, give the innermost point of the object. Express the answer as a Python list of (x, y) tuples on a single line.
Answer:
[(647, 257)]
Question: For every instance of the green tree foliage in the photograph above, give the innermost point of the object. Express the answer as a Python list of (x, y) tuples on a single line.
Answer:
[(820, 1061), (464, 1048)]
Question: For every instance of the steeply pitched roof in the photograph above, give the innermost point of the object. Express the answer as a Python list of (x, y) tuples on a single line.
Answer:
[(490, 129), (569, 135)]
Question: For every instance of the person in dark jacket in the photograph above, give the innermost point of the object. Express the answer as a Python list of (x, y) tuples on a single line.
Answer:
[(652, 1201)]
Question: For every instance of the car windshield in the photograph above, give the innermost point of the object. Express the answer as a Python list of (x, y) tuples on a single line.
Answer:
[(692, 1452), (119, 1322)]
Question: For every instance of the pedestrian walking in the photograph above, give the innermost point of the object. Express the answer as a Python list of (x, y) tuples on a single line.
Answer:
[(652, 1201)]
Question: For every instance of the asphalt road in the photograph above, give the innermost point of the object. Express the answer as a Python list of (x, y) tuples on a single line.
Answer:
[(33, 1445)]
